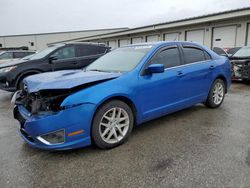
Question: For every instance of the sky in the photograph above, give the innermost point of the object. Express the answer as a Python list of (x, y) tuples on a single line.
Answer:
[(40, 16)]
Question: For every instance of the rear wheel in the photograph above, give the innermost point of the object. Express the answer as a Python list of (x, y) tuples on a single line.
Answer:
[(112, 124), (216, 94)]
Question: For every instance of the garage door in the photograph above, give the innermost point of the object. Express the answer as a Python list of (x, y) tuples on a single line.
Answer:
[(195, 36), (136, 40), (248, 35), (112, 44), (224, 37), (152, 38), (171, 37), (123, 42)]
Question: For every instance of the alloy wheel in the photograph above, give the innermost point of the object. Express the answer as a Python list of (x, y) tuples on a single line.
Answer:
[(218, 93), (114, 125)]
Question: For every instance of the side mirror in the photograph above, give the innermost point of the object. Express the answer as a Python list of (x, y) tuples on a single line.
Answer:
[(155, 68), (52, 58)]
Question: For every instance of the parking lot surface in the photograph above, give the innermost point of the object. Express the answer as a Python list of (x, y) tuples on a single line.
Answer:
[(196, 147)]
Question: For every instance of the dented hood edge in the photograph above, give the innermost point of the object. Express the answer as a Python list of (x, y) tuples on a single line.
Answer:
[(66, 79)]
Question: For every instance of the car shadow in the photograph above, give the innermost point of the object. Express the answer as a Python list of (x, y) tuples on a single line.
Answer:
[(139, 129)]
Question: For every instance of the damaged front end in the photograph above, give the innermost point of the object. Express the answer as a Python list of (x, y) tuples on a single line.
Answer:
[(42, 102), (241, 69), (46, 124), (45, 120)]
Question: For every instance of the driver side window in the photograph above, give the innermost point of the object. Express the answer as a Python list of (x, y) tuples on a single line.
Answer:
[(65, 53), (169, 57)]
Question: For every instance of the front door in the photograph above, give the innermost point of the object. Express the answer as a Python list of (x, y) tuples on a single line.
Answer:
[(160, 93), (65, 59)]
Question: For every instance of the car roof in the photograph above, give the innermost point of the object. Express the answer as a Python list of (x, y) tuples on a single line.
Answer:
[(17, 51), (159, 43), (81, 43)]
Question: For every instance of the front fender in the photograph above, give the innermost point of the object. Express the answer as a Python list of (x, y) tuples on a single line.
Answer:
[(121, 87), (101, 92)]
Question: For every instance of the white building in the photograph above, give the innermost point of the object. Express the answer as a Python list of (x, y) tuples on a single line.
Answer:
[(40, 41), (224, 29)]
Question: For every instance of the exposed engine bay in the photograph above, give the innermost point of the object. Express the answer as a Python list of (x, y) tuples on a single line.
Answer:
[(47, 101), (43, 102), (241, 69)]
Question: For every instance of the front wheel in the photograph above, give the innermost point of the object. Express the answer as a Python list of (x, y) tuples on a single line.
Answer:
[(112, 124), (216, 94)]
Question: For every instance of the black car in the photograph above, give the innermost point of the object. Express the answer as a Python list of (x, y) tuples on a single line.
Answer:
[(240, 61), (56, 57), (241, 64)]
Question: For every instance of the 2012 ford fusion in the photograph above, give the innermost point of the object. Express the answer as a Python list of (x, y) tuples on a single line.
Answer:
[(126, 87)]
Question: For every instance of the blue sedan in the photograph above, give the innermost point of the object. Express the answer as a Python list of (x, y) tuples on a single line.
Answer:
[(126, 87)]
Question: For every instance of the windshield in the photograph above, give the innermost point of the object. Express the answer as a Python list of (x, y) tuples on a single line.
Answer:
[(243, 52), (120, 60), (43, 53)]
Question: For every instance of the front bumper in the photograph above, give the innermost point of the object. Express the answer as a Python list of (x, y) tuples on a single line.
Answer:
[(71, 120)]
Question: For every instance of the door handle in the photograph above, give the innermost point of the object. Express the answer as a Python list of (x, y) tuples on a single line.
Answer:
[(211, 67), (74, 63), (180, 74)]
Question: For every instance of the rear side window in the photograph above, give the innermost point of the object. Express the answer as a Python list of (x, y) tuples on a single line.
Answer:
[(192, 55), (85, 50), (169, 58)]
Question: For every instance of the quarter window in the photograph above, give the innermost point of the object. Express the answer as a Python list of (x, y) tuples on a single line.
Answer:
[(65, 53), (169, 58), (192, 55)]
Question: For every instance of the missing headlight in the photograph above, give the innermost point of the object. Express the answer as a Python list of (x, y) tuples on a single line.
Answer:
[(42, 103)]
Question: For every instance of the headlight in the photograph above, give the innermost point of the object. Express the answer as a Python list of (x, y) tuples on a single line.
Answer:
[(7, 69), (57, 137)]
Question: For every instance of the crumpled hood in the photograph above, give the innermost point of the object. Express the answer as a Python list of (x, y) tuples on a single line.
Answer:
[(65, 79)]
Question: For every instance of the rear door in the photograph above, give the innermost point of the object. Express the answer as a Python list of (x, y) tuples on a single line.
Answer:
[(197, 73), (86, 54)]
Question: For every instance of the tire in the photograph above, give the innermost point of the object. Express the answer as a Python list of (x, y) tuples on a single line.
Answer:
[(216, 94), (112, 124)]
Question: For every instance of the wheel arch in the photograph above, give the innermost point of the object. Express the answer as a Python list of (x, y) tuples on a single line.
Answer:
[(124, 99), (25, 74), (223, 78)]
